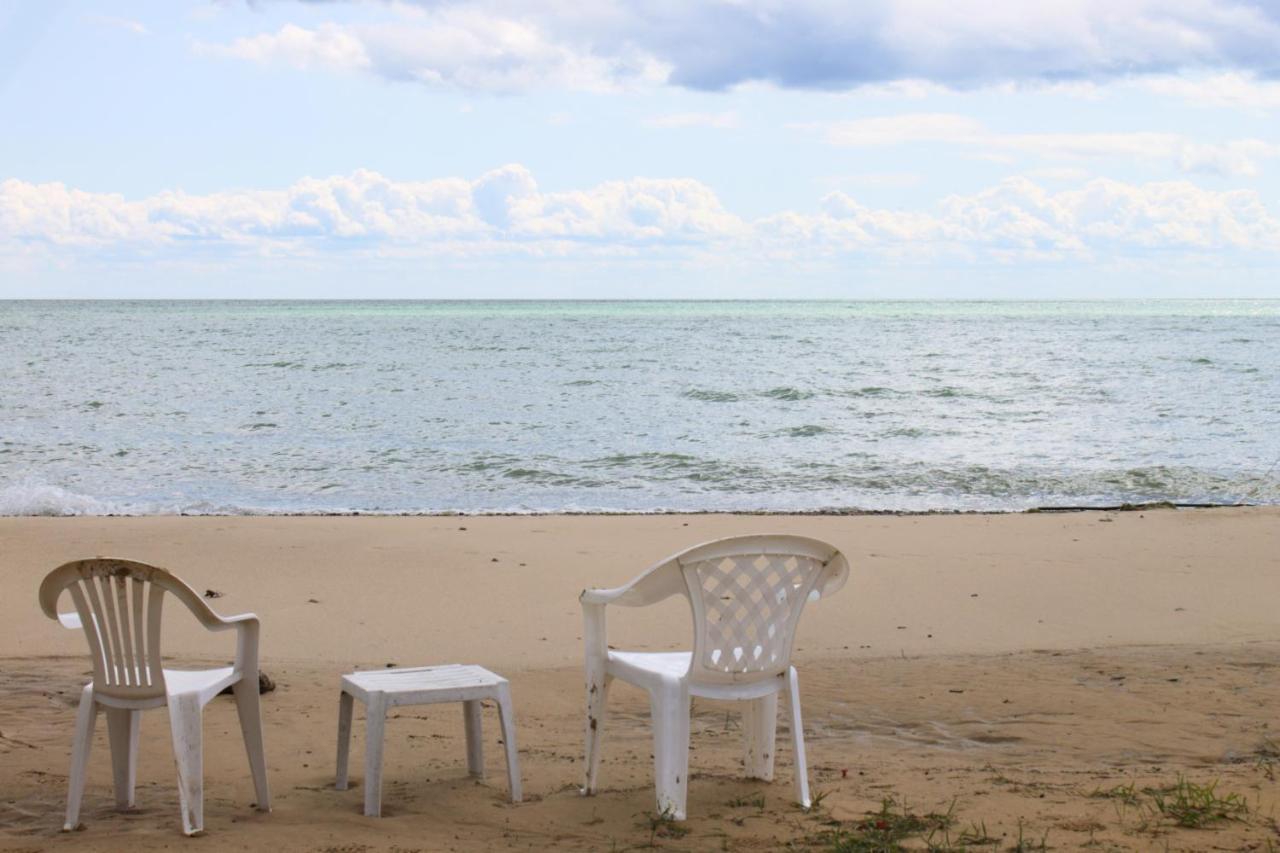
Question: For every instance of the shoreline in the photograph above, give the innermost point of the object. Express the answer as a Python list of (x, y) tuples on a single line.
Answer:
[(619, 513)]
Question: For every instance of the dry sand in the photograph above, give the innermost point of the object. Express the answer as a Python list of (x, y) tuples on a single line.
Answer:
[(1003, 668)]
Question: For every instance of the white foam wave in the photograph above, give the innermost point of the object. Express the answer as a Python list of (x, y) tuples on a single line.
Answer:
[(29, 496)]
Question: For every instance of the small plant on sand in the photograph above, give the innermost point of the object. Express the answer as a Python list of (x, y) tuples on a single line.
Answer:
[(1193, 806), (755, 801), (1267, 756), (662, 826), (816, 799), (1026, 845), (1127, 794), (884, 831), (976, 835)]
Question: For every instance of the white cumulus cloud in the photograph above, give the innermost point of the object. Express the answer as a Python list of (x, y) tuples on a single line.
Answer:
[(1241, 157), (504, 213)]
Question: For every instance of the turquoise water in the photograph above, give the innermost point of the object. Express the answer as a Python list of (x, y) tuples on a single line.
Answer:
[(162, 407)]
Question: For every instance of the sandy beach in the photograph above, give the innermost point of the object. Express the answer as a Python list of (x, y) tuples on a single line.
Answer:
[(1016, 672)]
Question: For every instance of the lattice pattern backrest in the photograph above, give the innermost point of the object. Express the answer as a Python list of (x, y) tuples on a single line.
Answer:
[(746, 608), (119, 605)]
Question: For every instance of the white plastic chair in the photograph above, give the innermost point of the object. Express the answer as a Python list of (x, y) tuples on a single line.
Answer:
[(746, 594), (118, 604)]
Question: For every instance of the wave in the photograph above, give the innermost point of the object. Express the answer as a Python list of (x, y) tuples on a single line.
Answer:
[(29, 496), (707, 396)]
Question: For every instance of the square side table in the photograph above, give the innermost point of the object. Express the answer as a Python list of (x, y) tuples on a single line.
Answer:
[(427, 685)]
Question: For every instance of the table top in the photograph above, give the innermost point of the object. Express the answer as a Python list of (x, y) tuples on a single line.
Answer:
[(424, 679)]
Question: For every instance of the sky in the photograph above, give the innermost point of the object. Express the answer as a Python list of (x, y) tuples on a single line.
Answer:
[(640, 149)]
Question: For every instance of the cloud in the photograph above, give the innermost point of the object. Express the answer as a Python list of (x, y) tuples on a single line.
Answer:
[(1233, 89), (813, 44), (112, 22), (720, 121), (502, 210), (451, 48), (504, 213), (1239, 157)]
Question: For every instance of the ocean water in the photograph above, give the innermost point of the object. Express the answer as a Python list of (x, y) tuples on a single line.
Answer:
[(312, 407)]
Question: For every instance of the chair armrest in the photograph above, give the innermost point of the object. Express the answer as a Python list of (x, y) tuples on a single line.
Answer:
[(247, 629), (605, 596), (224, 623)]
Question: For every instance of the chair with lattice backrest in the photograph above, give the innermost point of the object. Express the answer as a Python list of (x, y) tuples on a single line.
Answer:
[(119, 603), (746, 594)]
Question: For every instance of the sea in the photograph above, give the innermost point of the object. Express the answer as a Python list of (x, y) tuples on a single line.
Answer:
[(264, 407)]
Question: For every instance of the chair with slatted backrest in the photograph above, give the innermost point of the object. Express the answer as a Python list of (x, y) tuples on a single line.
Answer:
[(119, 604), (746, 595)]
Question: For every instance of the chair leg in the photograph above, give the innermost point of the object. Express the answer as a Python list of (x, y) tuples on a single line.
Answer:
[(475, 737), (122, 730), (797, 739), (597, 699), (249, 709), (375, 728), (86, 715), (507, 717), (186, 725), (346, 704), (670, 708), (759, 736)]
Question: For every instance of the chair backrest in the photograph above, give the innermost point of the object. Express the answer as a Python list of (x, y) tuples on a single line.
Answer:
[(747, 594), (119, 604)]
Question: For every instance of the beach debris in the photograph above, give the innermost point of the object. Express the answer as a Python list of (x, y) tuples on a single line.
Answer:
[(389, 665), (266, 684), (493, 560), (313, 601), (213, 593)]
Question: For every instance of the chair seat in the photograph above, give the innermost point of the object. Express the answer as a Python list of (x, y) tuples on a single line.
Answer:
[(642, 668), (204, 683)]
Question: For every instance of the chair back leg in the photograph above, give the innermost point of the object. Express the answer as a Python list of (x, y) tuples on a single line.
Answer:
[(797, 739), (186, 726), (671, 708), (86, 716), (249, 709), (122, 729), (759, 736)]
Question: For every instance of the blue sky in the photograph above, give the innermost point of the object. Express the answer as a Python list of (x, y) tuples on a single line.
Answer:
[(620, 149)]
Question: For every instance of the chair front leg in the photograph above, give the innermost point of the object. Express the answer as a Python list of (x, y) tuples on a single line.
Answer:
[(671, 707), (186, 725), (86, 716), (759, 736), (597, 687), (797, 739), (249, 709)]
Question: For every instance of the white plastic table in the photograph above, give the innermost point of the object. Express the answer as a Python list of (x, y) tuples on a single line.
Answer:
[(389, 688)]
